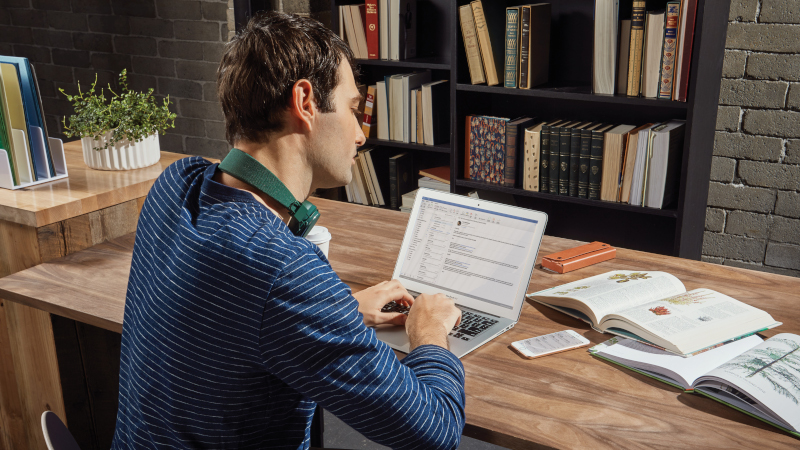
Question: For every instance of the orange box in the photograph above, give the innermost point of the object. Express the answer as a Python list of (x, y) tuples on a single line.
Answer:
[(578, 257)]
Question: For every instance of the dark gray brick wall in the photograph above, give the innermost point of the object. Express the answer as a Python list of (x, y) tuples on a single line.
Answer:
[(753, 215), (172, 46)]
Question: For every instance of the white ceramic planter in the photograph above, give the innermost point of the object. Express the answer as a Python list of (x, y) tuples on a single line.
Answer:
[(122, 156)]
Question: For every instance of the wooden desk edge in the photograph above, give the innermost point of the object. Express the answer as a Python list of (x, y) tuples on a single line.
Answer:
[(59, 310)]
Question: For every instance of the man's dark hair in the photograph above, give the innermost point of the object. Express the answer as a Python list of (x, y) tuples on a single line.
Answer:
[(262, 63)]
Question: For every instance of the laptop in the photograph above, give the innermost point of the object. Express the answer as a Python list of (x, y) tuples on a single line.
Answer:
[(479, 253)]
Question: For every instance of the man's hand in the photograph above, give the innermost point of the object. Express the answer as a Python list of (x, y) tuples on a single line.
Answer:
[(371, 300), (431, 319)]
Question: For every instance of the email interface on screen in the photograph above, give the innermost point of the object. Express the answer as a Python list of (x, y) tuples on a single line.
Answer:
[(469, 251)]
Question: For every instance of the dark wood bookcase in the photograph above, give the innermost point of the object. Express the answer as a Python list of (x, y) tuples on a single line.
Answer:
[(675, 230)]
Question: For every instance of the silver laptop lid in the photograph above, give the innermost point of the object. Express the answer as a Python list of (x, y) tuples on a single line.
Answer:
[(479, 253)]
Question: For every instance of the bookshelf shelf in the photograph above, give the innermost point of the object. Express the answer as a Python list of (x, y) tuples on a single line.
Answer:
[(677, 231), (580, 93), (440, 148), (432, 63), (560, 198)]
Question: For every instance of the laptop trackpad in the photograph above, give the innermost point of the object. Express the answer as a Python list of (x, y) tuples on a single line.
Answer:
[(395, 336)]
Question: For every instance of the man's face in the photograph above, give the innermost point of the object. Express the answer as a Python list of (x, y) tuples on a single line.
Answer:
[(338, 135)]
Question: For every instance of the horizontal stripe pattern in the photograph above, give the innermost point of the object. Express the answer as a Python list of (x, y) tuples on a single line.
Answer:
[(235, 329)]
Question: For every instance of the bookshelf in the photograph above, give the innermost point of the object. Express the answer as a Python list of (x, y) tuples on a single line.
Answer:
[(675, 230)]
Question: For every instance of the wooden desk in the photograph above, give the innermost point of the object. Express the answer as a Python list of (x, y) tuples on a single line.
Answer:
[(568, 400), (39, 224)]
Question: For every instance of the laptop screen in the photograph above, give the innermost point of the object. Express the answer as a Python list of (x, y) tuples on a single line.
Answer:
[(469, 251)]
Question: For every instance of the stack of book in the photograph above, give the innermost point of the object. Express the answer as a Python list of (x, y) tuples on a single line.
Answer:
[(648, 55), (522, 52), (27, 155), (638, 165), (408, 108), (380, 29)]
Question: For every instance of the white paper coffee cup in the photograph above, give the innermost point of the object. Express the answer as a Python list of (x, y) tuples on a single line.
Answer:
[(321, 237)]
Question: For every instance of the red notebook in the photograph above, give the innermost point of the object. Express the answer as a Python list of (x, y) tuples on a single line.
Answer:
[(371, 29)]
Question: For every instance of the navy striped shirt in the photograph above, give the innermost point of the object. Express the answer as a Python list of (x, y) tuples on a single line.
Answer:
[(235, 329)]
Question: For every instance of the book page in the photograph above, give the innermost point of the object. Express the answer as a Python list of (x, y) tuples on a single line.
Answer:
[(768, 374), (617, 290), (683, 369), (690, 312)]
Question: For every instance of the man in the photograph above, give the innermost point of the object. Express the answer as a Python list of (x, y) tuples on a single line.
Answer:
[(234, 327)]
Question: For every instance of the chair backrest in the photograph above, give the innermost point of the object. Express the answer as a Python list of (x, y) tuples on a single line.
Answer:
[(56, 433)]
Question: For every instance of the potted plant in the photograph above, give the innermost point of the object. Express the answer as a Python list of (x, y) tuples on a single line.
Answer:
[(121, 133)]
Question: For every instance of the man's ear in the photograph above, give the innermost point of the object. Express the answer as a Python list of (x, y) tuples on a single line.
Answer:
[(303, 106)]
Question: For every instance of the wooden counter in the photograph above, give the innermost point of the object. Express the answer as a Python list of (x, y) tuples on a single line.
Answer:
[(39, 224), (568, 400)]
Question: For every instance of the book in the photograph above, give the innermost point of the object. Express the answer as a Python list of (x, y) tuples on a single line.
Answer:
[(350, 31), (604, 59), (474, 62), (665, 163), (401, 178), (544, 166), (485, 43), (342, 34), (584, 159), (624, 54), (629, 162), (23, 156), (511, 50), (651, 62), (759, 378), (378, 163), (436, 112), (523, 57), (655, 308), (409, 83), (441, 174), (565, 146), (412, 137), (614, 142), (371, 29), (383, 28), (6, 138), (382, 110), (575, 157), (420, 124), (539, 45), (368, 123), (636, 48), (369, 184), (408, 199), (513, 149), (348, 189), (596, 161), (555, 156), (643, 144), (360, 187), (531, 164), (430, 183), (486, 147), (669, 48), (684, 57)]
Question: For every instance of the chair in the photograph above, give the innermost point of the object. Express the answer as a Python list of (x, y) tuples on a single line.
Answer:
[(56, 433)]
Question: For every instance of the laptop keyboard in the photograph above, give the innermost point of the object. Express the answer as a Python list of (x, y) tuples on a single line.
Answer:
[(471, 324)]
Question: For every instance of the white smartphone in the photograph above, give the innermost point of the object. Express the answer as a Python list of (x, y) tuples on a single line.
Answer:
[(549, 344)]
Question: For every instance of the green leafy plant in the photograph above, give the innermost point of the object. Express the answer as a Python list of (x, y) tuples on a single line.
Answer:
[(131, 115)]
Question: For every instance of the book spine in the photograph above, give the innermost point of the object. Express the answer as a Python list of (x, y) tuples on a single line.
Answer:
[(636, 47), (687, 38), (531, 167), (544, 158), (512, 28), (494, 151), (596, 165), (585, 153), (467, 149), (368, 124), (555, 140), (524, 46), (471, 45), (510, 169), (371, 28), (394, 190), (485, 44), (574, 162), (563, 161), (669, 48)]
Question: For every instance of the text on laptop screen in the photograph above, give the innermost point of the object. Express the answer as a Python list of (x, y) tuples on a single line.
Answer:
[(469, 251)]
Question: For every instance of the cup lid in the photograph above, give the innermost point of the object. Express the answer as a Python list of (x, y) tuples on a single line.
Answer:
[(319, 235)]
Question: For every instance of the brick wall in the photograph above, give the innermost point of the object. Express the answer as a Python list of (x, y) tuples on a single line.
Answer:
[(172, 46), (753, 216)]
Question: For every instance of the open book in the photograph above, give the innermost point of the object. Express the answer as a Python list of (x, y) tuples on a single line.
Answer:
[(654, 307), (759, 378)]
